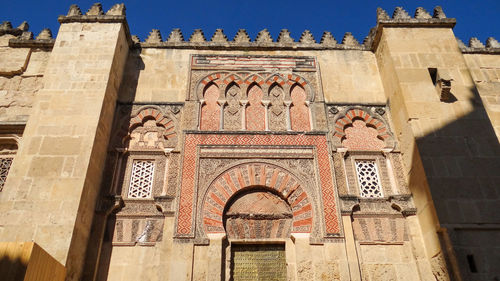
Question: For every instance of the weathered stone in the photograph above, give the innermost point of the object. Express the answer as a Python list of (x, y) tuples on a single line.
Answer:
[(284, 37), (218, 145), (241, 36), (219, 36), (264, 37), (307, 38), (154, 37), (175, 36), (197, 36)]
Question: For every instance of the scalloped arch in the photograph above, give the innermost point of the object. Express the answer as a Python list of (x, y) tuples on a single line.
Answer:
[(370, 120)]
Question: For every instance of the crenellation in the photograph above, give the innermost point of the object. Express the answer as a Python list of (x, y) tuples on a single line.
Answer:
[(382, 15), (219, 36), (307, 38), (368, 41), (475, 43), (175, 36), (438, 13), (492, 43), (6, 28), (95, 10), (26, 35), (197, 36), (475, 46), (284, 37), (154, 37), (349, 40), (116, 10), (241, 36), (45, 34), (74, 10), (421, 13), (264, 37), (327, 39), (400, 14)]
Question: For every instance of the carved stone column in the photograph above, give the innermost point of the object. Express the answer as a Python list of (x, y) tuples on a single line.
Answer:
[(266, 105), (288, 121), (243, 113), (221, 103)]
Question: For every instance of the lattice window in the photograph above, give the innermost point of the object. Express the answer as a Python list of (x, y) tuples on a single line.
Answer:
[(5, 164), (368, 179), (141, 180)]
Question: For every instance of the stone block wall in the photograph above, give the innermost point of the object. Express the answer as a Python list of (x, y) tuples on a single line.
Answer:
[(411, 108)]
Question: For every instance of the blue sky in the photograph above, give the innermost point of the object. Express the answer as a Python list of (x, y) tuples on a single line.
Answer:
[(479, 18)]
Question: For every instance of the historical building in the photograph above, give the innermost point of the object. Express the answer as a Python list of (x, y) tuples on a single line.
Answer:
[(264, 159)]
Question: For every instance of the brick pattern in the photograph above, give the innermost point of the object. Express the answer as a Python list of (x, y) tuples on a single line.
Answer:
[(358, 130), (257, 174), (255, 111), (5, 164), (381, 229), (141, 231), (299, 112), (210, 111), (185, 218)]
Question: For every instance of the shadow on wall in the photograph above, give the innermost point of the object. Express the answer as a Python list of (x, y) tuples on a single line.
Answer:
[(100, 247), (461, 161), (12, 269)]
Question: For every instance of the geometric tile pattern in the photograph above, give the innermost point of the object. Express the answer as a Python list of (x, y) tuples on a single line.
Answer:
[(256, 174), (5, 164), (141, 180), (185, 219), (368, 179)]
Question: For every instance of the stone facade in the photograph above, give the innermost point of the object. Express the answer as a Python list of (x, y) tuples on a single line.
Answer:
[(202, 160)]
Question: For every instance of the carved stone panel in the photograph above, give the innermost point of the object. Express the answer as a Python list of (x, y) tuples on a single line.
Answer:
[(277, 109), (232, 109)]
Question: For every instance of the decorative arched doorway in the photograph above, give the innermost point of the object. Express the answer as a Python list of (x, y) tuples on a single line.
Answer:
[(251, 218), (258, 206)]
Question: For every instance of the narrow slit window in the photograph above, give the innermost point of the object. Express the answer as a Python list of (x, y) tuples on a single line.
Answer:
[(141, 180), (368, 179), (472, 263)]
